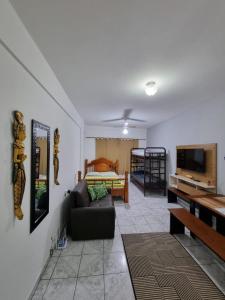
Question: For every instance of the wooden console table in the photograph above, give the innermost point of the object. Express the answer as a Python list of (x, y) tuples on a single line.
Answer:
[(209, 205), (173, 193)]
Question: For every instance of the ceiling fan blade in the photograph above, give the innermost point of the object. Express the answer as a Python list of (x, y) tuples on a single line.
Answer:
[(127, 113), (136, 120), (112, 120)]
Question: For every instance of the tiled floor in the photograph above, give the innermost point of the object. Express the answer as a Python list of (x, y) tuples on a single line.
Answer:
[(97, 270)]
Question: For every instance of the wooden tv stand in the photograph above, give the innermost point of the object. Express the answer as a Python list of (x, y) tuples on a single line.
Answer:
[(187, 183), (190, 186)]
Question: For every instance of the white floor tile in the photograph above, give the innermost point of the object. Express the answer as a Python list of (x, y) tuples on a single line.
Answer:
[(127, 229), (113, 245), (67, 266), (91, 264), (103, 267), (40, 290), (60, 289), (47, 273), (115, 263), (93, 247), (200, 254), (73, 248), (90, 288), (118, 287)]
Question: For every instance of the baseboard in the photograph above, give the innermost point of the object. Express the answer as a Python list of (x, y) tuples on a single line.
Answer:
[(37, 281)]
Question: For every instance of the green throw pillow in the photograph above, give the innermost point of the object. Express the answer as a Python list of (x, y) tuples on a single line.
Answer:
[(92, 193), (100, 191)]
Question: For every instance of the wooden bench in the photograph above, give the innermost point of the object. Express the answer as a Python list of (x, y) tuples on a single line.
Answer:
[(181, 218)]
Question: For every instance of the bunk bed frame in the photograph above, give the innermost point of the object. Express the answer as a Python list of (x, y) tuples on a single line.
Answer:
[(148, 169)]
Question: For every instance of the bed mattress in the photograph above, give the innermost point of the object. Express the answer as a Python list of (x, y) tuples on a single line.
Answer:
[(110, 179), (138, 152)]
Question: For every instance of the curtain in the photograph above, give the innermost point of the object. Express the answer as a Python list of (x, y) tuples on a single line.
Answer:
[(116, 149)]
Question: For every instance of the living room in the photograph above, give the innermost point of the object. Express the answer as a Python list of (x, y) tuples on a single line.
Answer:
[(77, 75)]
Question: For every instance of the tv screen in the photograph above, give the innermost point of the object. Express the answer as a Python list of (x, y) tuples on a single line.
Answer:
[(191, 159)]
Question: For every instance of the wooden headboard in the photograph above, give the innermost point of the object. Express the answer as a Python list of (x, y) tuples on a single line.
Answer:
[(101, 165)]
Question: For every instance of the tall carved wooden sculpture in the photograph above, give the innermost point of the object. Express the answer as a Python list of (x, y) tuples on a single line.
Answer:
[(56, 159), (19, 176)]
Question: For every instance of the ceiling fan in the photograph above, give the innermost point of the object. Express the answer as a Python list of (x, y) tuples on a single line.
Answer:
[(125, 118)]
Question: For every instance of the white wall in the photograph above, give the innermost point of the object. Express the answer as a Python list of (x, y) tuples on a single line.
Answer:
[(202, 124), (93, 132), (142, 143), (29, 85), (89, 148)]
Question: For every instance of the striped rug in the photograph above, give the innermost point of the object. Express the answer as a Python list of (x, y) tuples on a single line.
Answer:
[(161, 268)]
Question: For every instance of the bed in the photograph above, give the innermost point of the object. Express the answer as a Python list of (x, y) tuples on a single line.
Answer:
[(105, 171)]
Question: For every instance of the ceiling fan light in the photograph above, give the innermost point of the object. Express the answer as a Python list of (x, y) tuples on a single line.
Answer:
[(126, 124), (125, 131), (151, 88)]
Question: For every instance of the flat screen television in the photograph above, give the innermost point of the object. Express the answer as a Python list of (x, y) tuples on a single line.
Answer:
[(191, 159)]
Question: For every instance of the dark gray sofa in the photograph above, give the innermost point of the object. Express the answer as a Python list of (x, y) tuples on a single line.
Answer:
[(90, 220)]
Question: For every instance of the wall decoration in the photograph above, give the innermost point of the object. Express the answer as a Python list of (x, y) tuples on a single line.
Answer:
[(39, 173), (55, 155), (19, 176)]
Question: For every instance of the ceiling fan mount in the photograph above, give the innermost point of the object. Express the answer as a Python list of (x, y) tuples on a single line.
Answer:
[(125, 118)]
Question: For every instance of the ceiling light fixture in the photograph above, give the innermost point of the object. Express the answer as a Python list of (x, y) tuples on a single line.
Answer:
[(126, 124), (125, 131), (151, 88)]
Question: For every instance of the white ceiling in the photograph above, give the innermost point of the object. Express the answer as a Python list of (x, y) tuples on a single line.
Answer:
[(104, 51)]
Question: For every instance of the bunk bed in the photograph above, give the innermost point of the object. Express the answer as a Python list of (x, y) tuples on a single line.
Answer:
[(105, 171), (148, 169)]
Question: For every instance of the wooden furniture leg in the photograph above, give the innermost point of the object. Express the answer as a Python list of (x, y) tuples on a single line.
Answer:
[(79, 176), (126, 192), (175, 225), (220, 225), (172, 197), (205, 215), (85, 167), (192, 211)]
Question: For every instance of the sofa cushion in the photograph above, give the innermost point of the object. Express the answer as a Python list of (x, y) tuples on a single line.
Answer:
[(79, 195), (100, 191), (105, 202)]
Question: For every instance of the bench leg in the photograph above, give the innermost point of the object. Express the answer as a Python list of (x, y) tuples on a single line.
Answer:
[(175, 225), (192, 208), (220, 225), (172, 198), (192, 211), (205, 215)]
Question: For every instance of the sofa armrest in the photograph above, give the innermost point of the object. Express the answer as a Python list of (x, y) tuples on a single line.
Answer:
[(92, 223)]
